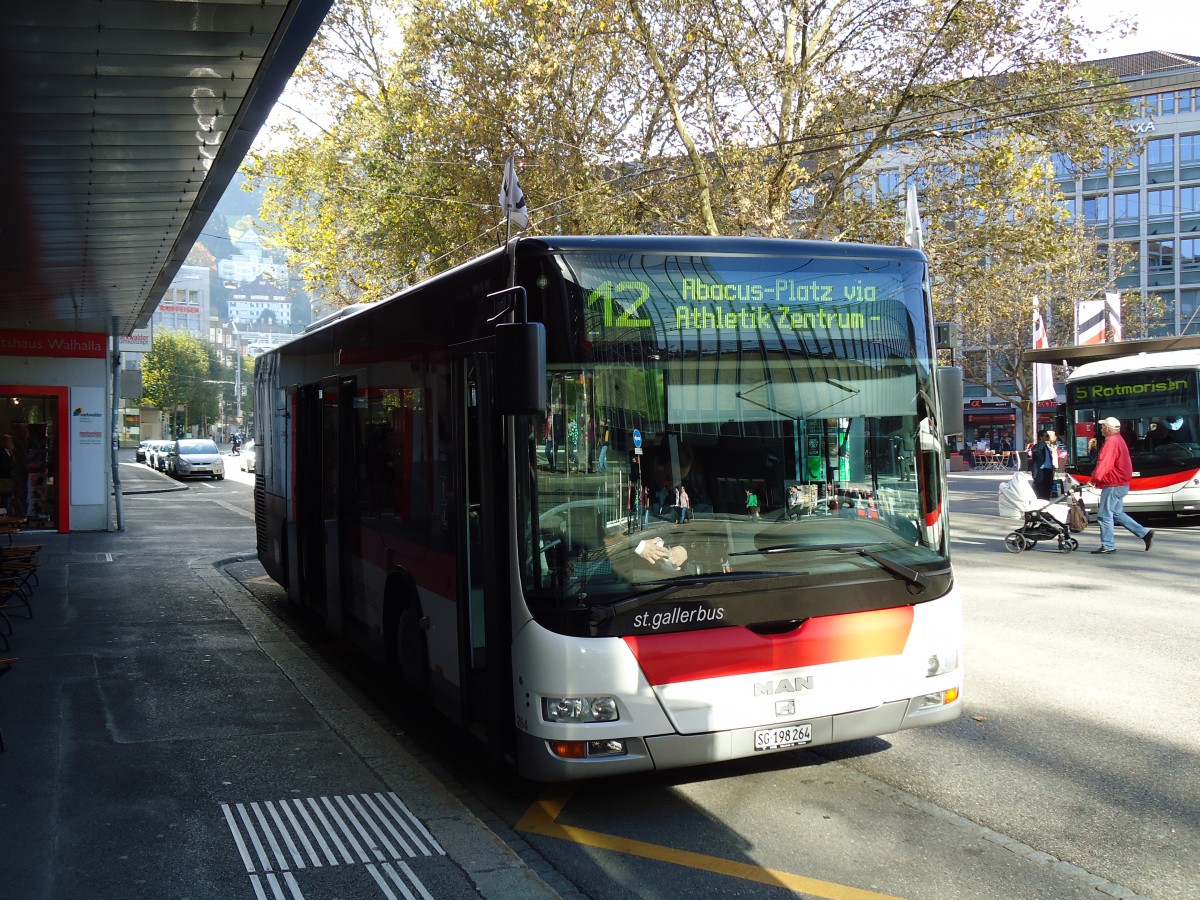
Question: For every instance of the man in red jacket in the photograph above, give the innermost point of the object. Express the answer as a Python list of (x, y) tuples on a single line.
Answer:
[(1113, 472)]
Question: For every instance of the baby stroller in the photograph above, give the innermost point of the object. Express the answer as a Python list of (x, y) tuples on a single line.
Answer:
[(1041, 520)]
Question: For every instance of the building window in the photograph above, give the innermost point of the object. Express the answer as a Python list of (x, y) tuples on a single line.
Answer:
[(1160, 259), (1189, 301), (1189, 149), (1160, 314), (889, 183), (1128, 163), (1160, 152), (1125, 207), (1160, 203), (1064, 169), (1095, 210), (1130, 275), (1160, 159), (1189, 261), (1168, 103), (1067, 205), (1185, 101)]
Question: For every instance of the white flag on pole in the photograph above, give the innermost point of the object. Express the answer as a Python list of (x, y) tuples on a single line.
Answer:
[(913, 235), (1043, 373), (512, 198)]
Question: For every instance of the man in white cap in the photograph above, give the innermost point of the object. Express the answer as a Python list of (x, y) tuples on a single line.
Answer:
[(1113, 473)]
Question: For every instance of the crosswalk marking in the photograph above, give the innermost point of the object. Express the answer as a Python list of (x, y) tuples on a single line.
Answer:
[(277, 838)]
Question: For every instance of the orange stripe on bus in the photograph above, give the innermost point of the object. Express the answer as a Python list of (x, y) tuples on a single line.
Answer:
[(720, 652)]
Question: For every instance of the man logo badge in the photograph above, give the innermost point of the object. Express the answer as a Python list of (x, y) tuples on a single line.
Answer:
[(784, 686), (785, 707)]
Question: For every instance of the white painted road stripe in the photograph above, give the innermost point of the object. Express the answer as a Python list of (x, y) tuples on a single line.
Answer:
[(301, 833), (383, 885), (293, 886), (346, 832), (368, 842), (329, 829), (416, 882), (393, 853), (297, 859), (382, 817), (258, 891), (416, 822), (263, 862), (237, 838), (276, 890), (262, 821), (317, 833), (269, 836)]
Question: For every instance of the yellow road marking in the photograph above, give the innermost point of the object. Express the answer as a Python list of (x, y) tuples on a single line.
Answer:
[(542, 818), (261, 579)]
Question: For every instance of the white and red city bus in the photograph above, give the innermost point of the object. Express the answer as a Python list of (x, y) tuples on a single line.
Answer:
[(496, 520), (1155, 396)]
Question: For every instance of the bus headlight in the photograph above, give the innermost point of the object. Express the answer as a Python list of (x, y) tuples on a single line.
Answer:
[(580, 709), (941, 663), (941, 698)]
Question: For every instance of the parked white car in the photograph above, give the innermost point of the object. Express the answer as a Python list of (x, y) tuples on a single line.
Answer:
[(196, 456), (247, 456)]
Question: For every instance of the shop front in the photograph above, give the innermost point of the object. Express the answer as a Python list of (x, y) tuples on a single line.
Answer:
[(54, 419), (30, 454), (989, 425)]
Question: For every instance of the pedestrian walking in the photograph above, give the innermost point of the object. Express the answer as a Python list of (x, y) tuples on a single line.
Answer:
[(1043, 461), (602, 458), (1112, 475), (683, 505), (751, 504)]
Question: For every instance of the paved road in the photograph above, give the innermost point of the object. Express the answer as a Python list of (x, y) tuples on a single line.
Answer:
[(1073, 773)]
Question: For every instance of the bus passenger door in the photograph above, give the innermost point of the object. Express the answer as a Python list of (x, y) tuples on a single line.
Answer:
[(306, 494), (484, 629), (325, 496)]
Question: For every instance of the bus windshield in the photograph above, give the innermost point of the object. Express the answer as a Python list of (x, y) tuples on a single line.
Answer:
[(720, 420), (1158, 412)]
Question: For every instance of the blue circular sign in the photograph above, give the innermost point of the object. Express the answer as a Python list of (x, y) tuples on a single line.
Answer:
[(637, 438)]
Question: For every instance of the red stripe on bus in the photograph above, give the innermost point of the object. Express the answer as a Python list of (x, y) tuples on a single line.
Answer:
[(1152, 483), (719, 652), (931, 518)]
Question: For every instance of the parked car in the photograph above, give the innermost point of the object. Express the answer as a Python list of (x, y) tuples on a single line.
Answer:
[(139, 454), (247, 456), (196, 456), (156, 456)]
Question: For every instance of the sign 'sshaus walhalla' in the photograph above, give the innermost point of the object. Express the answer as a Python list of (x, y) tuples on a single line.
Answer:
[(76, 344)]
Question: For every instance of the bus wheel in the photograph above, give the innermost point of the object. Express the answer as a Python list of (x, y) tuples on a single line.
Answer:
[(409, 656)]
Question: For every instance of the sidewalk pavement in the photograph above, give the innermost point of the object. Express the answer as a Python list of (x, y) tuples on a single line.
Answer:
[(166, 737)]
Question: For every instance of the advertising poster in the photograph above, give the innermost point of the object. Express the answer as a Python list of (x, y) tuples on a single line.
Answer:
[(89, 479)]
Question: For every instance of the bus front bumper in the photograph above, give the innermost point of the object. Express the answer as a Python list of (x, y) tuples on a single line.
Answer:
[(672, 751)]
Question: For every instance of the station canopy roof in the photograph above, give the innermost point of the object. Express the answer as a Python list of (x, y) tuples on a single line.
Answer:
[(127, 119), (1086, 353)]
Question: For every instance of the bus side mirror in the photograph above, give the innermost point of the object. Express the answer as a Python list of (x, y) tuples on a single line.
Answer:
[(520, 374), (950, 396)]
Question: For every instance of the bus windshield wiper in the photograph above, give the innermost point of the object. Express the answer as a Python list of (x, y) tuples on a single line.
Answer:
[(915, 579), (604, 613), (802, 548)]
